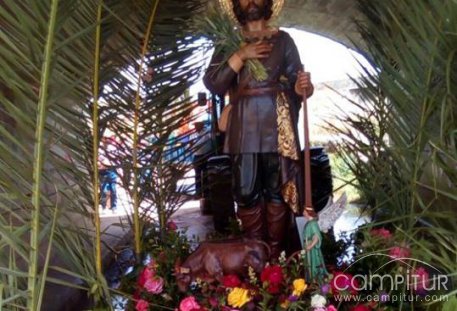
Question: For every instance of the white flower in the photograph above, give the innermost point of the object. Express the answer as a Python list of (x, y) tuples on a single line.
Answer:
[(318, 301), (282, 258)]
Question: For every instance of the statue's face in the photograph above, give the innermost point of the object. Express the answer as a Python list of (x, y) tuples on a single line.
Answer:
[(253, 9)]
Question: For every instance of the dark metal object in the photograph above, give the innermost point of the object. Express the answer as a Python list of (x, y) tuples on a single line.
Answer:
[(219, 192)]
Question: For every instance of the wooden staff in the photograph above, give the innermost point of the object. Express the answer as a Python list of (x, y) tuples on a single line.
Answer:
[(307, 166)]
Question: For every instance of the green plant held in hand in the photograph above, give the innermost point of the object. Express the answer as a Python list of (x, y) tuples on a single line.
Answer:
[(226, 38)]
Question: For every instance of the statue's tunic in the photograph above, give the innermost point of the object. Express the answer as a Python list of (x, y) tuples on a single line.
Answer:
[(264, 113)]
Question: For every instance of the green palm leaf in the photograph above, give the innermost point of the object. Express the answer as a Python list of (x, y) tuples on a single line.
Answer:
[(64, 164), (400, 144)]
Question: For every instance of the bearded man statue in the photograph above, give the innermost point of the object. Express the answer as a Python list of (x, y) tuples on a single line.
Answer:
[(261, 134)]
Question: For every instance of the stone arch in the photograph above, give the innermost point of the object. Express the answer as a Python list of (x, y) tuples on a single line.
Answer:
[(333, 19)]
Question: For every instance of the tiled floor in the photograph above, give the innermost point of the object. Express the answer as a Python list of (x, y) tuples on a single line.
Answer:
[(190, 219)]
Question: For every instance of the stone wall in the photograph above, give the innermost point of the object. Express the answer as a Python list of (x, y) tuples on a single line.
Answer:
[(330, 18)]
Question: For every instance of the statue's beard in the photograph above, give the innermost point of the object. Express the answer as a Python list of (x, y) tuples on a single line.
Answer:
[(253, 12)]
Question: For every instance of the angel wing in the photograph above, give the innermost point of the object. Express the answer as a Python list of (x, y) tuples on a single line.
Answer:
[(331, 212)]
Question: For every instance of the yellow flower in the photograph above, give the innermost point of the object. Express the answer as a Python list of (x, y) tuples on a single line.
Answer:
[(238, 297), (299, 287)]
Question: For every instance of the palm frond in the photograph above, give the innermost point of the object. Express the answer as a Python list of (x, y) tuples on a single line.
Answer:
[(57, 89), (400, 144)]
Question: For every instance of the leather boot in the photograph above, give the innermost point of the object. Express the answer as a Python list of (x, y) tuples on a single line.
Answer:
[(252, 221), (277, 214)]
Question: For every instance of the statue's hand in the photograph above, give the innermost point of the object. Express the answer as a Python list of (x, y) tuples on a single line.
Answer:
[(260, 49), (304, 84)]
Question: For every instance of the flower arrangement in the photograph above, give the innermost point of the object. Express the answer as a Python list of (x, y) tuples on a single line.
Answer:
[(382, 276), (278, 287), (273, 289), (151, 282)]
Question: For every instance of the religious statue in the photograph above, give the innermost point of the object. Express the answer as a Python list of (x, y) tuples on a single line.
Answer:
[(315, 271), (262, 135)]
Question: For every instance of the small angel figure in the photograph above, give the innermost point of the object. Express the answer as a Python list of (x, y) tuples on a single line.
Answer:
[(311, 237), (312, 240)]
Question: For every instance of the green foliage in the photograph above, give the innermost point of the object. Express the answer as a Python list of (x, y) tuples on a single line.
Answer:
[(336, 253), (400, 144), (451, 304), (47, 52), (408, 122), (344, 179)]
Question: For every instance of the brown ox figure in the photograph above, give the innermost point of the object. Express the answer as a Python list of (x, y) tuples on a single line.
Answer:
[(211, 260)]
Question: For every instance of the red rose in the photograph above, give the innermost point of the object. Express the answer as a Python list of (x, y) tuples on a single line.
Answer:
[(231, 281), (343, 282), (272, 274)]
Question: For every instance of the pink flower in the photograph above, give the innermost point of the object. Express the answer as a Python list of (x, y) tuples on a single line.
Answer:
[(332, 308), (398, 252), (145, 275), (142, 305), (154, 285), (420, 279), (189, 304), (381, 233), (343, 282)]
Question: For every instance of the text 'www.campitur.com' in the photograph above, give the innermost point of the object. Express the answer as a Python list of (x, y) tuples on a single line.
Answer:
[(391, 298)]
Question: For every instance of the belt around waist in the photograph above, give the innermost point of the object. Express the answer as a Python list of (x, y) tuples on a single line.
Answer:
[(259, 91)]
